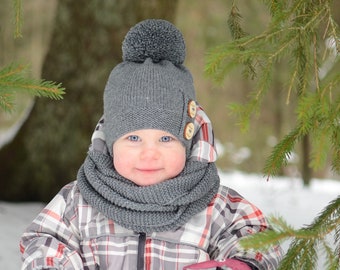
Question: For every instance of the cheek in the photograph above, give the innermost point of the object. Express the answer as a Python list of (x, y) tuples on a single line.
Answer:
[(122, 166), (117, 162), (178, 162), (120, 162)]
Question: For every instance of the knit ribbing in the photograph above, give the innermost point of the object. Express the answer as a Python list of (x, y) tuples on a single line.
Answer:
[(161, 207)]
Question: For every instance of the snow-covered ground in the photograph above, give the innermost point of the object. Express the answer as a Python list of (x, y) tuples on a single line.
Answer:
[(279, 196)]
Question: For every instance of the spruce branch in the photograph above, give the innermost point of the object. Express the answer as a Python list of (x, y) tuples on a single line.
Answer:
[(234, 23), (13, 78), (293, 33), (281, 153), (279, 232), (306, 241), (321, 148), (276, 7), (18, 17), (6, 101), (244, 112)]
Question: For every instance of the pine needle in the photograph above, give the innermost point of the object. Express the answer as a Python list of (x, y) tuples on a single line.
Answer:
[(13, 78), (18, 18), (303, 250)]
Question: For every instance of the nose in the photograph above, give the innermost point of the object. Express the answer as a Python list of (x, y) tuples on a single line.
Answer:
[(149, 152)]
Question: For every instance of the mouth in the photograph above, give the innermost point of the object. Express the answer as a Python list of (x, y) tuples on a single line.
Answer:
[(148, 170)]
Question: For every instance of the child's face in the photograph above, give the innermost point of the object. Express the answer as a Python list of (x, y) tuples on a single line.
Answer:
[(148, 156)]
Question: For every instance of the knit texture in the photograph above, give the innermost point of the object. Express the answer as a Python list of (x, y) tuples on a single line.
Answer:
[(155, 39), (150, 89), (162, 207)]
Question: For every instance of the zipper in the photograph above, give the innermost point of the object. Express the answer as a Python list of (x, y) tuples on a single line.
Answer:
[(141, 249)]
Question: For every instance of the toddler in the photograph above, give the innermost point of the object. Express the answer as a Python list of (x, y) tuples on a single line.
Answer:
[(148, 195)]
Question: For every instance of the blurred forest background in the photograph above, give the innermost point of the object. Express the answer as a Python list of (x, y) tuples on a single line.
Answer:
[(78, 46)]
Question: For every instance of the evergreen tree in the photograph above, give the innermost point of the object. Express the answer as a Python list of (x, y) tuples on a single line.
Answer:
[(16, 78), (304, 32)]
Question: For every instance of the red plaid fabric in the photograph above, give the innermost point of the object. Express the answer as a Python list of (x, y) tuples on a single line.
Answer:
[(70, 234), (203, 141)]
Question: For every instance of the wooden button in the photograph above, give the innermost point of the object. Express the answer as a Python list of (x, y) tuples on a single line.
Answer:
[(189, 131), (192, 108)]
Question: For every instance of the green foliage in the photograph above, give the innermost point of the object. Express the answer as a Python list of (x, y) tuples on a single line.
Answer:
[(300, 34), (13, 78), (297, 34), (307, 241), (18, 17)]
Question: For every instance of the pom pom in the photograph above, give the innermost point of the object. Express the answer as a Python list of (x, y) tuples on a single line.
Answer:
[(155, 39)]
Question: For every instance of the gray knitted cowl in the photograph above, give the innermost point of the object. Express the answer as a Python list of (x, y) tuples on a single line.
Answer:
[(161, 207)]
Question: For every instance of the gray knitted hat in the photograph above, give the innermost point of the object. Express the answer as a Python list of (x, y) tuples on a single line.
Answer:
[(150, 89)]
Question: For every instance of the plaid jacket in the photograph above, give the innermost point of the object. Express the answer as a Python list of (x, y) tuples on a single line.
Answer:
[(70, 234)]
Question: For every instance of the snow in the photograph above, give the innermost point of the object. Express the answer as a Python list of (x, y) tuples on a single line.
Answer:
[(279, 196)]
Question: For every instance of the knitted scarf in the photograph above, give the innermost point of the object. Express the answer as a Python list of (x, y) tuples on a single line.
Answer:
[(161, 207)]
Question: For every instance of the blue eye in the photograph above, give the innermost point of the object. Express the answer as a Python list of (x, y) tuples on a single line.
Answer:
[(166, 139), (133, 138)]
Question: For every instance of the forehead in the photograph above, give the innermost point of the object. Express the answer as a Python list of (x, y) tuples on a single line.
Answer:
[(148, 131)]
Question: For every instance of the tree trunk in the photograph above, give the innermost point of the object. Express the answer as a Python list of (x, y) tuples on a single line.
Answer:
[(85, 46)]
